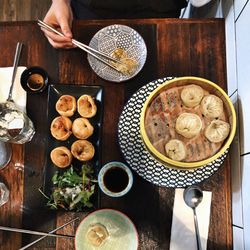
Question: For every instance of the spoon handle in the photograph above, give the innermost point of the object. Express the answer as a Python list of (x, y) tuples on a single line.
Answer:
[(16, 61), (198, 239)]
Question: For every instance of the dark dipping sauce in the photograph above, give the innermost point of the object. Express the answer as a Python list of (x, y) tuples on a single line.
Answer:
[(35, 82), (115, 179)]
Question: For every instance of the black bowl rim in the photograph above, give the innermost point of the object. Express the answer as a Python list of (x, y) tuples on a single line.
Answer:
[(29, 71)]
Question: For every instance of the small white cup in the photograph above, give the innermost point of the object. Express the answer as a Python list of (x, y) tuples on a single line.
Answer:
[(115, 179)]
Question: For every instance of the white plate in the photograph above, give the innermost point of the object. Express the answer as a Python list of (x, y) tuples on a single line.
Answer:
[(110, 38)]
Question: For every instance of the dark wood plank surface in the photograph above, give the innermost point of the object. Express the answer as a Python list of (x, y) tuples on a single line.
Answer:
[(175, 48), (19, 10)]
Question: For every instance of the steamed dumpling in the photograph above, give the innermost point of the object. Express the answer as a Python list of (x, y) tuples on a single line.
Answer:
[(175, 150), (191, 95), (97, 234), (217, 131), (188, 125), (211, 106)]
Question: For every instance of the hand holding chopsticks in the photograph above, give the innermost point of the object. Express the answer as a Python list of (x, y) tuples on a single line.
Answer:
[(95, 53)]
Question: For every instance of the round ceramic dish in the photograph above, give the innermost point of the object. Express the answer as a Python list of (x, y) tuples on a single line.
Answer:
[(122, 232), (105, 169), (34, 80), (213, 89), (110, 38)]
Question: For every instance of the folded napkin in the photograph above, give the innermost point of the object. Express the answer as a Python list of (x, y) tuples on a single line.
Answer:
[(199, 3), (18, 94), (183, 229)]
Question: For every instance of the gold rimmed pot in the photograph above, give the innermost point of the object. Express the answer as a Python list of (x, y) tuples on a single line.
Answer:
[(211, 88)]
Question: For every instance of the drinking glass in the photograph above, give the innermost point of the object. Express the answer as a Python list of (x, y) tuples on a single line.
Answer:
[(15, 125), (4, 194)]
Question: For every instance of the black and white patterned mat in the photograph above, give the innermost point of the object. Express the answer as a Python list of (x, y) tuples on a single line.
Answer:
[(141, 161)]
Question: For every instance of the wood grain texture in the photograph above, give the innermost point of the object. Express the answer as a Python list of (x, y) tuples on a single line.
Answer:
[(19, 10), (175, 48)]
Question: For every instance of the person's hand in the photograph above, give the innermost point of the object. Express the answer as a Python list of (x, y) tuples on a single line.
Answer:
[(60, 17)]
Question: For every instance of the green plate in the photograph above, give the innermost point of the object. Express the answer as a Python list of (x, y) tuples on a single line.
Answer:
[(122, 232)]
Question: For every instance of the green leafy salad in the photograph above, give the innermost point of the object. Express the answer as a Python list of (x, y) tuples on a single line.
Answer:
[(72, 190)]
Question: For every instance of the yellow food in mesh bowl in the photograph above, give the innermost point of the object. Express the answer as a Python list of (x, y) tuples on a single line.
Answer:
[(187, 122)]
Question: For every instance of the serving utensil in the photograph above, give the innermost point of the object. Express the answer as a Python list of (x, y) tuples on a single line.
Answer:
[(15, 127), (19, 230), (16, 61), (41, 238), (95, 53), (193, 196)]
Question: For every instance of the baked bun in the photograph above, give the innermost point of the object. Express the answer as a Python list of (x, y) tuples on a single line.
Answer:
[(82, 150), (66, 105), (212, 106), (61, 128), (82, 128), (97, 234), (86, 106), (217, 131), (61, 157), (176, 150), (188, 125), (191, 95)]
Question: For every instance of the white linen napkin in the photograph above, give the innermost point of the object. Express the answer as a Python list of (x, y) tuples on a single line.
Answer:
[(199, 3), (19, 95), (183, 229)]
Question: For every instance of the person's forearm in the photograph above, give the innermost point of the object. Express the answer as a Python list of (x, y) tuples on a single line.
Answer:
[(65, 1)]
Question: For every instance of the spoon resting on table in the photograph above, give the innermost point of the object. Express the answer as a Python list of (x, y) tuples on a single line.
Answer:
[(193, 196)]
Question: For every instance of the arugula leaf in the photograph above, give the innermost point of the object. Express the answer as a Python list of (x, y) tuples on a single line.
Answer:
[(72, 191)]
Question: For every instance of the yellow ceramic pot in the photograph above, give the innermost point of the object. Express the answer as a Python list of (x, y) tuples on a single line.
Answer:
[(213, 89)]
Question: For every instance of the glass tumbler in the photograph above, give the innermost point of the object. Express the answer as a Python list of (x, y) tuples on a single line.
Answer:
[(4, 194), (15, 125)]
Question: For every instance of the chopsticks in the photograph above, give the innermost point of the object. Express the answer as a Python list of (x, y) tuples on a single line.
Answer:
[(41, 238), (95, 53), (19, 230)]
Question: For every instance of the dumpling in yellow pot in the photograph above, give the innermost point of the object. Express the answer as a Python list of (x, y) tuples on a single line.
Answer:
[(188, 125), (191, 95), (217, 131), (175, 150), (211, 106)]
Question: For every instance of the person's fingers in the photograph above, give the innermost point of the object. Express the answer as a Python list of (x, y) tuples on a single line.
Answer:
[(59, 17), (60, 45), (66, 29), (56, 38)]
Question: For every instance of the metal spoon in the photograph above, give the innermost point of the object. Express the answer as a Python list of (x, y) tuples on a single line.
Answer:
[(9, 101), (193, 196), (16, 61)]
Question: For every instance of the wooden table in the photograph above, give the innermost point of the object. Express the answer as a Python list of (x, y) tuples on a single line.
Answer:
[(176, 47)]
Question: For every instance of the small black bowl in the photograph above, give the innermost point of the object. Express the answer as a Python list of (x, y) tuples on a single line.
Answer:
[(34, 80)]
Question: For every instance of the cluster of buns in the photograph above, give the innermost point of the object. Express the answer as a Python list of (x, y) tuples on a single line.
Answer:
[(187, 123), (62, 127)]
